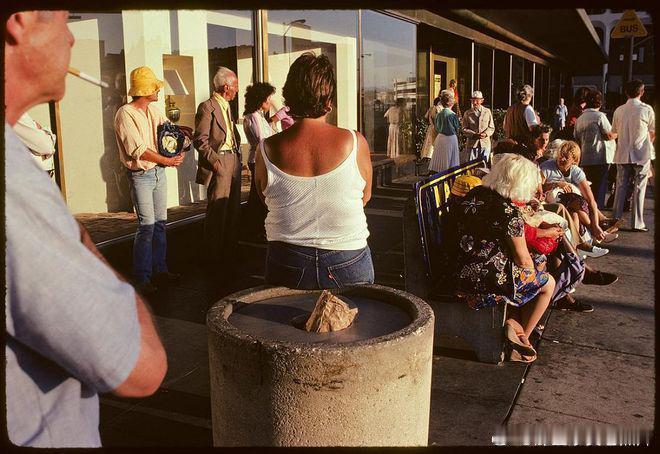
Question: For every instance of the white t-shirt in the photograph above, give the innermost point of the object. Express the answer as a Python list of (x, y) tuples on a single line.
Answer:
[(632, 122), (530, 116)]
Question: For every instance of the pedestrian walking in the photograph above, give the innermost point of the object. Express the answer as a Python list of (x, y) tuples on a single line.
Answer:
[(136, 126), (479, 126), (634, 122), (74, 327), (521, 117), (577, 106), (445, 148), (315, 179), (559, 118), (219, 168), (593, 133)]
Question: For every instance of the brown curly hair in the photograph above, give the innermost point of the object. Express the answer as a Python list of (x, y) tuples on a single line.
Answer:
[(309, 86)]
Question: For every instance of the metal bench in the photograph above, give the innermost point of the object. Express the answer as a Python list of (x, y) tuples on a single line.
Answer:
[(422, 225)]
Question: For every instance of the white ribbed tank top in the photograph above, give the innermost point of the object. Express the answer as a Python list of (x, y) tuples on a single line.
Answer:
[(324, 211)]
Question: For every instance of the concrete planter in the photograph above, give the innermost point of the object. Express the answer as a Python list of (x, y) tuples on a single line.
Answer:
[(276, 385)]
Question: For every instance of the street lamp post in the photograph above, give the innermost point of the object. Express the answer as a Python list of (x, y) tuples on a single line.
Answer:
[(288, 26)]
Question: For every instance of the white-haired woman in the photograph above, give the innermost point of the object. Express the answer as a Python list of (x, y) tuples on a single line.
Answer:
[(492, 256), (447, 124)]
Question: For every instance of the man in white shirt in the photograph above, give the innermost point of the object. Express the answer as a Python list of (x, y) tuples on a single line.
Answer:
[(634, 122), (40, 141)]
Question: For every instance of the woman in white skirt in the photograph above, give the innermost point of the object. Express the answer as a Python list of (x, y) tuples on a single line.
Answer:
[(431, 133), (394, 116), (445, 147)]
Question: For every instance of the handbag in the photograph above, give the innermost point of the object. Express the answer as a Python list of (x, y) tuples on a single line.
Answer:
[(542, 245), (170, 139)]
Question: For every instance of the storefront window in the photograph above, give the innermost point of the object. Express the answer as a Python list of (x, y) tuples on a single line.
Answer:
[(186, 46), (231, 44), (501, 80), (517, 76), (483, 73), (388, 76), (528, 72), (331, 33)]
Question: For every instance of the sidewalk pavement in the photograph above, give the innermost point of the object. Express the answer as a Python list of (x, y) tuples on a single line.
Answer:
[(593, 368)]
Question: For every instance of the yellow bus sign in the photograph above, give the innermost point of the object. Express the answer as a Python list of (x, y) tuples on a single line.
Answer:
[(629, 25)]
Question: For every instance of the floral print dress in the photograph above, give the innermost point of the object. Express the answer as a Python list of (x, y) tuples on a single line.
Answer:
[(486, 274)]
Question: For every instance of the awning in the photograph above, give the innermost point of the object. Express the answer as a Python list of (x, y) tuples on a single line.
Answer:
[(563, 35)]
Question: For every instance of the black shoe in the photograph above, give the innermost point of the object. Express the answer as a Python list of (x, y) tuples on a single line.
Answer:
[(643, 229), (599, 278), (165, 278), (146, 288), (568, 303)]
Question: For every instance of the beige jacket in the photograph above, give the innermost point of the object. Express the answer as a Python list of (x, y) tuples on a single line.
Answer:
[(475, 122), (210, 136)]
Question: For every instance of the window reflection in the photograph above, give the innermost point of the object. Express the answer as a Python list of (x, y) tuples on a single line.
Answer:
[(388, 76), (330, 33)]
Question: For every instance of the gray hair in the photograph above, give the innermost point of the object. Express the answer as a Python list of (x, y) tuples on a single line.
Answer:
[(514, 177), (446, 96), (222, 76), (525, 92)]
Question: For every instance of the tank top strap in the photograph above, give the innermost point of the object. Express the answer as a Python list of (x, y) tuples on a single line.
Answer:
[(355, 144)]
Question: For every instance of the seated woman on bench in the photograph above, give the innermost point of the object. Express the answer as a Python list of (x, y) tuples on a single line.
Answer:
[(492, 260)]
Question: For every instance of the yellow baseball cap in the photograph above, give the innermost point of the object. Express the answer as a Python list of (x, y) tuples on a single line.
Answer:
[(144, 82), (463, 184)]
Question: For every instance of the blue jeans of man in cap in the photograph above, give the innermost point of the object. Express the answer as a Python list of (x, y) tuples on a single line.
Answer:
[(149, 194)]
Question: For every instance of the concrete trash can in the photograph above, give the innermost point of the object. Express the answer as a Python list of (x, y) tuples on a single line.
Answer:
[(273, 384)]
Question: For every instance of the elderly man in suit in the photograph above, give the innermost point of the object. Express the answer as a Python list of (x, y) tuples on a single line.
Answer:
[(219, 167), (478, 125)]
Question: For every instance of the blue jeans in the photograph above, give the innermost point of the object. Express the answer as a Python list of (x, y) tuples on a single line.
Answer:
[(149, 194), (310, 268)]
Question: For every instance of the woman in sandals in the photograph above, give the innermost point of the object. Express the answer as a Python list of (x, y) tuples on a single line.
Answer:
[(494, 265), (315, 179)]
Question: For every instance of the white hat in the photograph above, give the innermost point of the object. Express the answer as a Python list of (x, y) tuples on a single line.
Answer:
[(477, 95)]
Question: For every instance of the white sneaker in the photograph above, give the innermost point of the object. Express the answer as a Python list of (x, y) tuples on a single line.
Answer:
[(596, 252)]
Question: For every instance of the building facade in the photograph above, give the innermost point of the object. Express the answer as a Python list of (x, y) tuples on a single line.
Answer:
[(378, 56)]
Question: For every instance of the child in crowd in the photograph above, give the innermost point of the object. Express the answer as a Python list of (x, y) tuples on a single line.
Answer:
[(566, 182)]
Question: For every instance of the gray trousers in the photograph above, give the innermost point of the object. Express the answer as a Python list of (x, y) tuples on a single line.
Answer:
[(223, 209), (640, 176)]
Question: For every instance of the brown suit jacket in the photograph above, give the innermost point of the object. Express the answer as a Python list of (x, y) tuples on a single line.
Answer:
[(210, 135)]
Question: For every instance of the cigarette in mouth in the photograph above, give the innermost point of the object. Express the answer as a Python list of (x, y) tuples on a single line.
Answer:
[(87, 77)]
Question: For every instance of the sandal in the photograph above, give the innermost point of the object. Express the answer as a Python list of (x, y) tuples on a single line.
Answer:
[(516, 356), (517, 340)]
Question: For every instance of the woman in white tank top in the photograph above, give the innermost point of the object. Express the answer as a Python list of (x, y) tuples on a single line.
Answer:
[(315, 179)]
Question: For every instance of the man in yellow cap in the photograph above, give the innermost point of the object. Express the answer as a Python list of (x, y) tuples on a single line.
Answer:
[(74, 327), (219, 167), (136, 125)]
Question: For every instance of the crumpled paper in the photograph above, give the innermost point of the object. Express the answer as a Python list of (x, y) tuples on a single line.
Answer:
[(330, 314)]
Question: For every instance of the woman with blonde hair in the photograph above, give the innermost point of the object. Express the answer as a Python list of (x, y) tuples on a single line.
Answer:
[(492, 257), (570, 187)]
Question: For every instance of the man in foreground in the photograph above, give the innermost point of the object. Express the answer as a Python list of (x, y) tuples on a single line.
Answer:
[(74, 327)]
